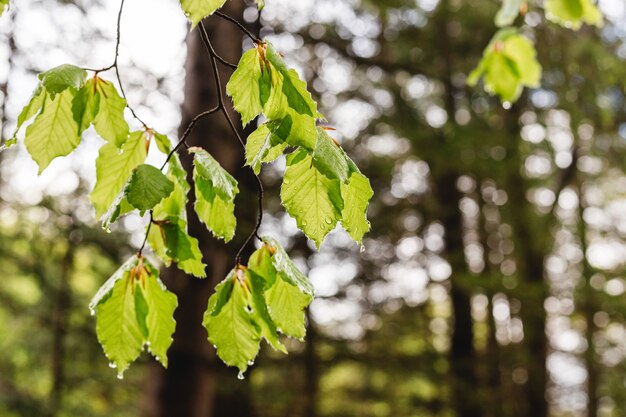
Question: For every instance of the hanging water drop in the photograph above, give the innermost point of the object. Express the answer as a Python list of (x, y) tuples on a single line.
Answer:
[(506, 105), (362, 248), (112, 365), (240, 376), (250, 363), (92, 312), (120, 376)]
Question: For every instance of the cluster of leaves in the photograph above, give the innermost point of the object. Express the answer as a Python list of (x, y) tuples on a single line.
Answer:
[(509, 62), (322, 187)]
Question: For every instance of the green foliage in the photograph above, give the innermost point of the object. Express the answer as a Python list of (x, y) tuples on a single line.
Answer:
[(508, 65), (196, 10), (215, 195), (114, 168), (321, 188), (259, 301), (147, 187), (4, 5), (573, 13), (134, 310)]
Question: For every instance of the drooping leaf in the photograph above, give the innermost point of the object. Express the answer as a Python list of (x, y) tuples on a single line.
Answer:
[(509, 64), (509, 11), (573, 13), (295, 129), (262, 147), (54, 132), (160, 318), (109, 120), (114, 168), (196, 10), (310, 197), (229, 321), (286, 304), (215, 195), (59, 79), (163, 142), (356, 194), (147, 187), (117, 326), (244, 88)]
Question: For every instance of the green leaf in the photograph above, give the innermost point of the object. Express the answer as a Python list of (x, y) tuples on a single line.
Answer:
[(286, 304), (109, 120), (260, 312), (59, 79), (288, 292), (114, 168), (180, 246), (7, 144), (163, 142), (229, 321), (86, 105), (160, 319), (329, 158), (285, 266), (310, 197), (117, 326), (295, 129), (147, 187), (356, 194), (215, 191), (196, 10), (508, 12), (262, 147), (508, 65), (573, 13), (32, 108), (54, 131), (244, 88), (260, 4)]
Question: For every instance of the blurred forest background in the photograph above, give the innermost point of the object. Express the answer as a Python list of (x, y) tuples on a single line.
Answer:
[(491, 285)]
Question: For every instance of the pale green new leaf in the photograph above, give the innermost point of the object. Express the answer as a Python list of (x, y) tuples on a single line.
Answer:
[(356, 194), (59, 79), (295, 129), (179, 246), (310, 197), (147, 187), (163, 142), (114, 168), (109, 120), (118, 329), (260, 4), (54, 132), (260, 148), (215, 195), (229, 322), (573, 13), (196, 10), (508, 12), (160, 319), (244, 87), (260, 313), (508, 65)]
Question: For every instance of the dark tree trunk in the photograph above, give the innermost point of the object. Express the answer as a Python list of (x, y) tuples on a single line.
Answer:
[(197, 384)]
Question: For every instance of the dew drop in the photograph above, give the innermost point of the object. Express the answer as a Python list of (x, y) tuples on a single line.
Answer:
[(92, 312), (240, 376), (279, 330), (250, 363), (322, 226), (303, 222), (120, 376), (285, 181), (362, 248), (112, 365), (328, 220), (506, 105)]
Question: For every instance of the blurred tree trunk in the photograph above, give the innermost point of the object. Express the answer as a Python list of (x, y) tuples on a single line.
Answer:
[(197, 384), (311, 369), (533, 241)]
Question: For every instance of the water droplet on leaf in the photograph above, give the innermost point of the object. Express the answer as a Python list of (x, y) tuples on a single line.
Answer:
[(112, 365), (240, 376)]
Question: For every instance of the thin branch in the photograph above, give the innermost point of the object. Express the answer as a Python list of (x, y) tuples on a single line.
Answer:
[(220, 95), (240, 26)]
